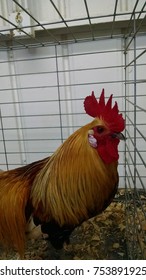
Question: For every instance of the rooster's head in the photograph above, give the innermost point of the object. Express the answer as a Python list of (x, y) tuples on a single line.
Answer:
[(105, 133)]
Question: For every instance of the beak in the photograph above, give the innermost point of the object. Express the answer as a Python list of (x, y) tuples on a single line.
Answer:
[(119, 135)]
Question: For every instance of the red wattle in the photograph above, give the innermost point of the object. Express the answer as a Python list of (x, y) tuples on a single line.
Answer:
[(109, 151)]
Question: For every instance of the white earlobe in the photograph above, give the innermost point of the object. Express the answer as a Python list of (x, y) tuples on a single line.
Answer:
[(92, 141)]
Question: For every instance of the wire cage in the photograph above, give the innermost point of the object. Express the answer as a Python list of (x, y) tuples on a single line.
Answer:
[(54, 54)]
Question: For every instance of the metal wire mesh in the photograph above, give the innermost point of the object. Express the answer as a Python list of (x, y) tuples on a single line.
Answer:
[(135, 152), (46, 71), (24, 30)]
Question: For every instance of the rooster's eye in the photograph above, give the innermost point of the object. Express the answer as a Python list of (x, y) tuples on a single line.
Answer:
[(100, 129)]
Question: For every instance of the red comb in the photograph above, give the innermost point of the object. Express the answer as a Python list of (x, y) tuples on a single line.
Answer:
[(90, 105), (99, 109)]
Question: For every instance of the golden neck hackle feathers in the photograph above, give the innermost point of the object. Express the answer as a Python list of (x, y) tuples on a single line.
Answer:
[(72, 181)]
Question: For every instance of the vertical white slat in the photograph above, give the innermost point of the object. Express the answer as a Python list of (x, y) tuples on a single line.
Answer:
[(68, 92), (15, 94)]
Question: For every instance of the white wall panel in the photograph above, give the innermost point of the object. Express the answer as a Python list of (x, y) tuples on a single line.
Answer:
[(48, 97)]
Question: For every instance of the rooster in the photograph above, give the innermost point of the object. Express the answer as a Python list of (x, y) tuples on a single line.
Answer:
[(76, 183)]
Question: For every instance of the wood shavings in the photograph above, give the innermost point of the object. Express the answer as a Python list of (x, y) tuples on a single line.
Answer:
[(116, 245)]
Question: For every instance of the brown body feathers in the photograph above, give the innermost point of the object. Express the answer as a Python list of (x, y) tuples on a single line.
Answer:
[(14, 204)]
